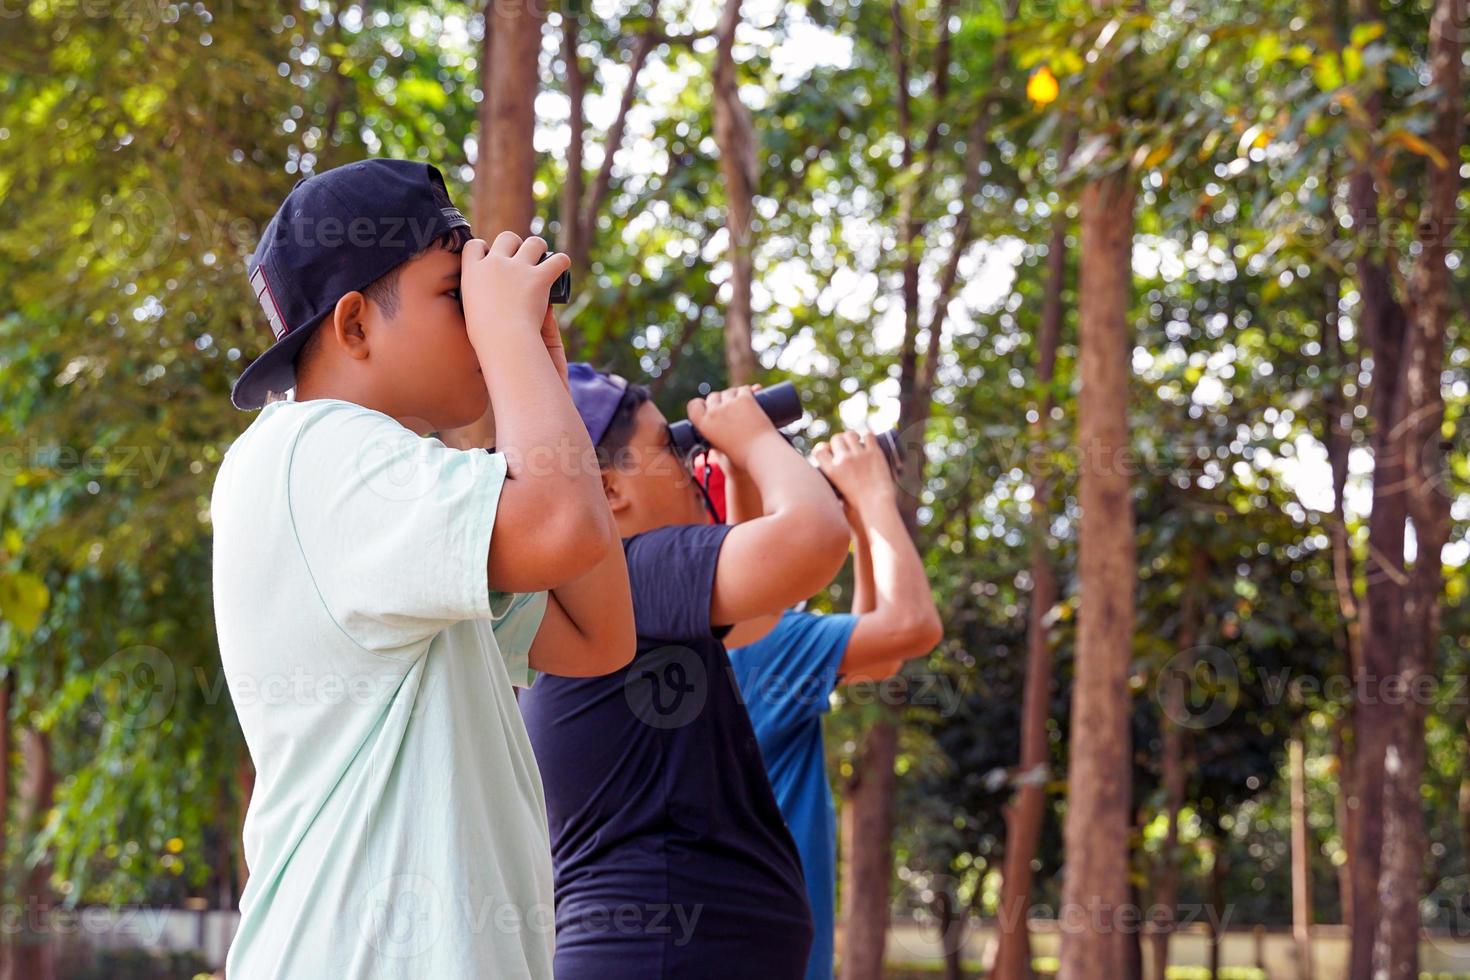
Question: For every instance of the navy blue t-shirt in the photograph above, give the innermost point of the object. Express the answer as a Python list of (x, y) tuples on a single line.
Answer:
[(670, 853)]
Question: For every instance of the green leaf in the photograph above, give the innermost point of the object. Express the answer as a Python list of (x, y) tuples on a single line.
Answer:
[(1325, 72), (23, 600), (1362, 34)]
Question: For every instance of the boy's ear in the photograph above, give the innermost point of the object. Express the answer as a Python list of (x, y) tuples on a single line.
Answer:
[(348, 323), (612, 488)]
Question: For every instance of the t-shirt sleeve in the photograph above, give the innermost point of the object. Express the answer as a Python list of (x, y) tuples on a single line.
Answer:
[(671, 571), (518, 617), (394, 528), (790, 673)]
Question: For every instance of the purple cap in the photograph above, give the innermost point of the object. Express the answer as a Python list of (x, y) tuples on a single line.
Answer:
[(597, 397)]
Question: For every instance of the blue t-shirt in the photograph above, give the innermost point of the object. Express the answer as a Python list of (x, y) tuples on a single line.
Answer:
[(786, 678), (671, 857)]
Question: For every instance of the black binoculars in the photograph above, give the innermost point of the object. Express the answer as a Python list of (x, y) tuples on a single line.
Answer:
[(561, 290), (782, 405)]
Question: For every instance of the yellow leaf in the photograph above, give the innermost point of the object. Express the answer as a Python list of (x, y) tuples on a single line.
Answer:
[(1042, 87), (1415, 144)]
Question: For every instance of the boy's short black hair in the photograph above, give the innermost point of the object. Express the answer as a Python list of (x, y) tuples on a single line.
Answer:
[(384, 290), (614, 442)]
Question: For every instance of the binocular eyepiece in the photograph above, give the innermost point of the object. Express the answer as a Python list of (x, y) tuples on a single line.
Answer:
[(561, 290), (782, 405)]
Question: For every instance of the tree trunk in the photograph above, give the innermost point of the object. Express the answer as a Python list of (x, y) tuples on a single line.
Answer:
[(1301, 862), (569, 223), (1174, 774), (506, 168), (1167, 895), (952, 933), (1131, 927), (33, 953), (1218, 868), (1095, 890), (1464, 802), (1346, 819), (868, 814), (1418, 433), (1382, 322), (1337, 426), (735, 137), (1027, 810)]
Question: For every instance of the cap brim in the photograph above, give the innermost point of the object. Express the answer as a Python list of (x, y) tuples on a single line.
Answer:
[(275, 370)]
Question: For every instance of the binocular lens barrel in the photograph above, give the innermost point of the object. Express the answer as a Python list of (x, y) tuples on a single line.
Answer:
[(782, 405), (780, 402)]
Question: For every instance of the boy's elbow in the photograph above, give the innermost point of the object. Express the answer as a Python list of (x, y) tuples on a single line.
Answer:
[(925, 632), (827, 538), (605, 650), (619, 640), (574, 545)]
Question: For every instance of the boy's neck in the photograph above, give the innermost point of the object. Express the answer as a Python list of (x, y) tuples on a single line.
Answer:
[(479, 434), (311, 388)]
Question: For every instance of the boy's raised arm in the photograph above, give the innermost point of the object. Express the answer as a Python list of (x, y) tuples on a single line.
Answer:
[(798, 543), (892, 598), (552, 525)]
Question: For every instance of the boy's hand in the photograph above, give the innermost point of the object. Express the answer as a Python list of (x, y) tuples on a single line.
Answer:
[(858, 469), (503, 287), (731, 421)]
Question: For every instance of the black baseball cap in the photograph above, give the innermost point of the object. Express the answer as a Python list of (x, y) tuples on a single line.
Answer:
[(336, 232)]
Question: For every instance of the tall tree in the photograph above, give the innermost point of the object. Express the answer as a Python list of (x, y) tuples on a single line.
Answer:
[(1173, 764), (1095, 891), (1416, 439), (1382, 323), (1027, 809), (735, 136), (33, 948), (506, 165)]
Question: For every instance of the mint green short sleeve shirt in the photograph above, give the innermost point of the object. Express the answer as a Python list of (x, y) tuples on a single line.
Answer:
[(398, 826)]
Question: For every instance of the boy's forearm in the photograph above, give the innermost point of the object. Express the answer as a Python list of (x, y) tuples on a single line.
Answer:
[(794, 549), (597, 604), (532, 409), (552, 505), (588, 630), (895, 570), (862, 571), (788, 485), (742, 496), (898, 619)]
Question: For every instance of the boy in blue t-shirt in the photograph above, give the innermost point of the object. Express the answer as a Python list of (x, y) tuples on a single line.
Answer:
[(672, 858), (787, 677), (377, 594)]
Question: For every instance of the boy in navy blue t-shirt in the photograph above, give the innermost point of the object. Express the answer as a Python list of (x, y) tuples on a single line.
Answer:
[(787, 677), (671, 856)]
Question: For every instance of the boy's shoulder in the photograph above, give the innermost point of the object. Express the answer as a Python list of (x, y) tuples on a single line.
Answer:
[(290, 439), (280, 425)]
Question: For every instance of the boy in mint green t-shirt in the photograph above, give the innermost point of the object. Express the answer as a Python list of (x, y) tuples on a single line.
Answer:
[(378, 593)]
